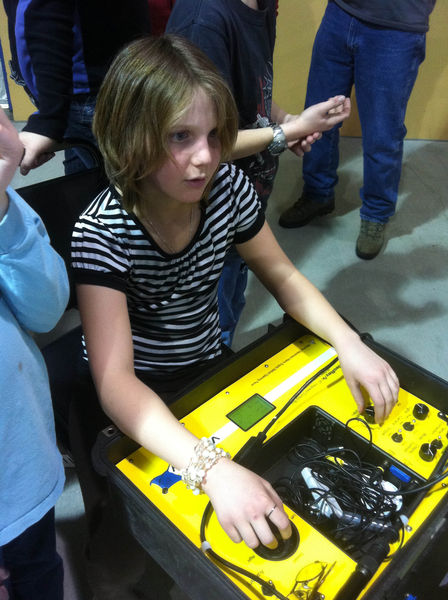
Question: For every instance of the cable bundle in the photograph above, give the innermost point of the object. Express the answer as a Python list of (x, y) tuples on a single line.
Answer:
[(345, 497)]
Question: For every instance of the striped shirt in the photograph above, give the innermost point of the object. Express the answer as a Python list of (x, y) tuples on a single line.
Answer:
[(172, 298)]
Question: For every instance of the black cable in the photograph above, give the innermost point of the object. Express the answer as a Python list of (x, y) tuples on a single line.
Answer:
[(369, 429), (299, 391), (246, 454), (265, 585), (420, 488), (355, 486)]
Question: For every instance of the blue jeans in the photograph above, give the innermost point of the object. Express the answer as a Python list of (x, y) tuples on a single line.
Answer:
[(231, 299), (79, 127), (382, 64), (36, 571), (233, 280)]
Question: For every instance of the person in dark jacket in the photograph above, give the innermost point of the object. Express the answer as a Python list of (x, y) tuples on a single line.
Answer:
[(61, 50), (238, 36)]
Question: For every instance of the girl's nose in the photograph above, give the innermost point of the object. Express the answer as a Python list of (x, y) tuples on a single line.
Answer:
[(202, 154)]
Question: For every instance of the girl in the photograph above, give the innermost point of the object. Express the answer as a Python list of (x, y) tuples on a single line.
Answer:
[(147, 256)]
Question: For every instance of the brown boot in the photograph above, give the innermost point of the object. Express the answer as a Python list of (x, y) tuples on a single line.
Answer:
[(370, 239), (303, 211)]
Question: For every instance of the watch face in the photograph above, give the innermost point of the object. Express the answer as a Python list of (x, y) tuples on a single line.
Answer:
[(279, 143)]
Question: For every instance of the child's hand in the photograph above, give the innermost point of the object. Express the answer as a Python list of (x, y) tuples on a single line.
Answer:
[(38, 150), (303, 130), (325, 115), (242, 501), (304, 144), (363, 368), (11, 151)]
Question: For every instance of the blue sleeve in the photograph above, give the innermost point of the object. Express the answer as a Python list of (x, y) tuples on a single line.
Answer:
[(33, 277)]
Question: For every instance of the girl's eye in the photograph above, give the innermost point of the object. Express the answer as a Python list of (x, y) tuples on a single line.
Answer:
[(213, 133), (179, 136)]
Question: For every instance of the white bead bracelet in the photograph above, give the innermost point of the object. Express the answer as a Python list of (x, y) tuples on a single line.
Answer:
[(206, 454)]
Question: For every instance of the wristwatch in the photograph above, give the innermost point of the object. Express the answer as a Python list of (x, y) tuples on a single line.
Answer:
[(279, 143)]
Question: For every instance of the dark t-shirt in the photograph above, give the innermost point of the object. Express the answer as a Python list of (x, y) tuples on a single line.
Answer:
[(240, 42), (405, 15)]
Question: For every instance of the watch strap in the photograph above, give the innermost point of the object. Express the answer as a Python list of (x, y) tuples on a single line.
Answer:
[(279, 143)]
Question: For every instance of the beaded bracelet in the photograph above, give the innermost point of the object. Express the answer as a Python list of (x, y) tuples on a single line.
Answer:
[(206, 454)]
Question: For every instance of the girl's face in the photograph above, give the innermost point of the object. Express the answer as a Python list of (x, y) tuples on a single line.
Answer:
[(195, 155)]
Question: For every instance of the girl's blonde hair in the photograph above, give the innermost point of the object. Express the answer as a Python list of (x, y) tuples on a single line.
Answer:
[(147, 88)]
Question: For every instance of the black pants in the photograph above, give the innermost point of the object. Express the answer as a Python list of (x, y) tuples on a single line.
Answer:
[(35, 568)]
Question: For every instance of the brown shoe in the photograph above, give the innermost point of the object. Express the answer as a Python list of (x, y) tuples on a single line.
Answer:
[(370, 239), (303, 211)]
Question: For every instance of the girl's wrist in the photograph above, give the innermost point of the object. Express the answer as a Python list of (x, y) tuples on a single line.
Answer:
[(346, 339), (293, 128), (205, 456)]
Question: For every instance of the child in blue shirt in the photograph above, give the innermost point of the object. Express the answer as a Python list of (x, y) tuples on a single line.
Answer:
[(33, 294)]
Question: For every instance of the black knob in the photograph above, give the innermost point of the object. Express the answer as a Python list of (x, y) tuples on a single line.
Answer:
[(397, 437), (427, 452), (436, 444), (420, 411), (369, 414), (409, 426)]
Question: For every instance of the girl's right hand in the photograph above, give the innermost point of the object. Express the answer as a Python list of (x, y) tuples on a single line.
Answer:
[(242, 501)]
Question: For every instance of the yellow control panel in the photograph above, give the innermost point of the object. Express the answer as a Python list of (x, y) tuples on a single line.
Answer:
[(414, 436)]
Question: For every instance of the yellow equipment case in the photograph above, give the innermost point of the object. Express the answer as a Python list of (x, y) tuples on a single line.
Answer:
[(368, 503)]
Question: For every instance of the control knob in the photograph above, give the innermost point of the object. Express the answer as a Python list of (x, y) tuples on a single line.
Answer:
[(420, 411), (436, 444), (427, 452)]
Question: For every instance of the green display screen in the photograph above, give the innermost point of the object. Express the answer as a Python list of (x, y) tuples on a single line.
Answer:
[(247, 414)]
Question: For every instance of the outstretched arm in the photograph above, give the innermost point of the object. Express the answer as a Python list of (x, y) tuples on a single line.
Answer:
[(302, 300), (240, 498), (301, 145), (307, 126)]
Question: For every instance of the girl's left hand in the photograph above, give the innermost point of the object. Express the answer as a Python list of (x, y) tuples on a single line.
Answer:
[(365, 370)]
